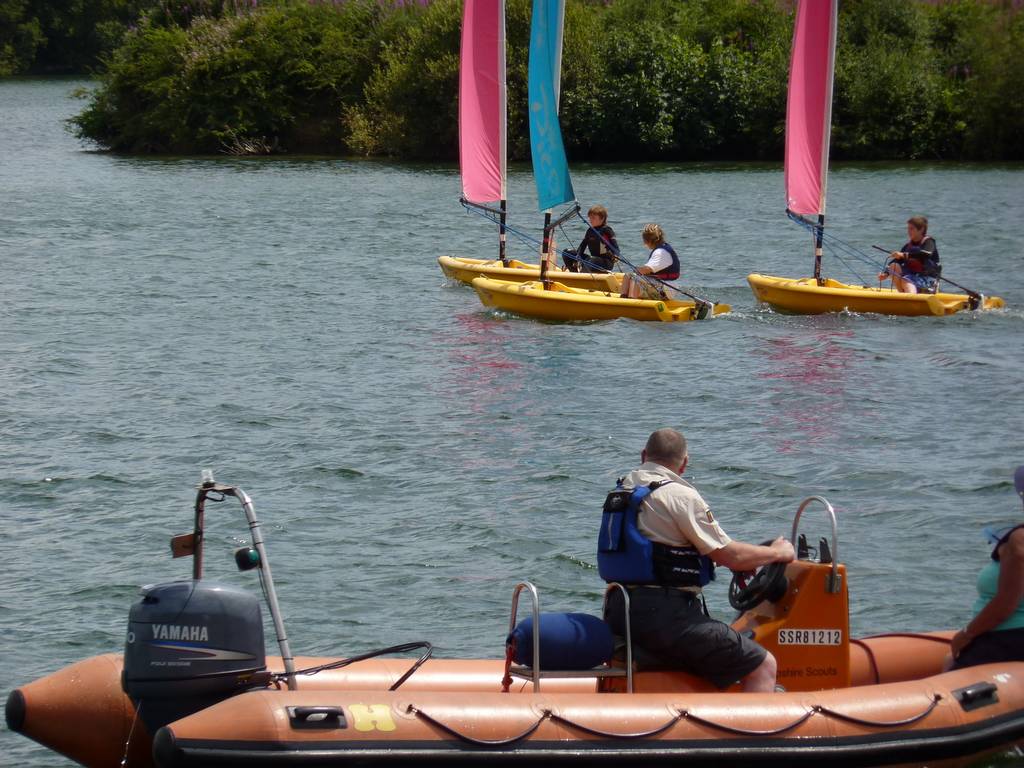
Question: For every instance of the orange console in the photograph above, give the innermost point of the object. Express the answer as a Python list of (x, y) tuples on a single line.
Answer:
[(808, 629)]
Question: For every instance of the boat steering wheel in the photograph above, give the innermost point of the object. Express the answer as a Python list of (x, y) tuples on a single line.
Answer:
[(748, 588)]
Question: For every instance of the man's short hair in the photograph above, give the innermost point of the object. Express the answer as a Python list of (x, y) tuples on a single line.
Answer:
[(666, 445)]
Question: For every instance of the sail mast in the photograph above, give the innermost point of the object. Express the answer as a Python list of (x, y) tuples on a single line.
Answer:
[(809, 113), (483, 108)]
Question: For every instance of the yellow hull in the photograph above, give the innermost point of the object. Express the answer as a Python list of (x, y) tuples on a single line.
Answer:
[(805, 297), (562, 302), (466, 270)]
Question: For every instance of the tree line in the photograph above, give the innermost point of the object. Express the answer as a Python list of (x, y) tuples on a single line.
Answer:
[(641, 79)]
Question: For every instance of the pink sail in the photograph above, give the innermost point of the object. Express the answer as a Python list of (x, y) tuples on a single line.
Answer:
[(482, 101), (809, 106)]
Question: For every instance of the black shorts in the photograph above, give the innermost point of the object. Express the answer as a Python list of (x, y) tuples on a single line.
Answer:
[(599, 264), (1003, 645), (670, 624)]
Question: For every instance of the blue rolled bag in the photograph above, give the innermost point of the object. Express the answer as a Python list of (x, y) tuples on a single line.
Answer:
[(568, 641)]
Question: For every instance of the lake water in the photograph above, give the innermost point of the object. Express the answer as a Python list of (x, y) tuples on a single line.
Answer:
[(283, 322)]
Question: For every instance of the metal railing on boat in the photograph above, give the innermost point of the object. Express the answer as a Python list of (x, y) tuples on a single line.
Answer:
[(834, 582), (536, 673)]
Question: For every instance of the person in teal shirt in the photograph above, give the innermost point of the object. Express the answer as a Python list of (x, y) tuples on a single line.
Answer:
[(996, 633)]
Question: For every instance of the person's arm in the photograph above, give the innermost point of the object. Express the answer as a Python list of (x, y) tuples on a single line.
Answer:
[(608, 236), (613, 244), (739, 556), (582, 249), (1009, 593), (895, 257), (659, 259)]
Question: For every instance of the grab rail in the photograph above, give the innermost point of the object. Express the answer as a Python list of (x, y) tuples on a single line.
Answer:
[(832, 585), (536, 626)]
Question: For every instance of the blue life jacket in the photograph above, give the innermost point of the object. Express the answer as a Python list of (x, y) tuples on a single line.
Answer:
[(670, 272), (625, 555)]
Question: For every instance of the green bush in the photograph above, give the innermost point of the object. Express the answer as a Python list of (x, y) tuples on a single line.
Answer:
[(21, 35), (631, 87), (410, 107), (15, 44), (277, 77), (993, 97), (62, 36), (641, 79)]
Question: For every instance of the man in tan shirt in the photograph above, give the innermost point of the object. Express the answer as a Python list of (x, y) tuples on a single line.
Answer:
[(667, 618)]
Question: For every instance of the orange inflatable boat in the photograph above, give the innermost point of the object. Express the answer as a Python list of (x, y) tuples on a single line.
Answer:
[(194, 688)]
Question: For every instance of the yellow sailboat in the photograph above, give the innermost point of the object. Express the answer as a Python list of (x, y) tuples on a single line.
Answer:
[(558, 301), (555, 294), (466, 270), (808, 296), (482, 152), (808, 130)]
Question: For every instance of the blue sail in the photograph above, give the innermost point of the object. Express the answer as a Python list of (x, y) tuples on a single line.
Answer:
[(550, 168)]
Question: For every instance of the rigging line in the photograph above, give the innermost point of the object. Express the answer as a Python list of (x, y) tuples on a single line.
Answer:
[(747, 731), (862, 644), (871, 657), (508, 227), (131, 731), (526, 238), (594, 268), (834, 240), (681, 714), (837, 247), (650, 280), (880, 723), (412, 709), (615, 251), (563, 251), (821, 710), (611, 734), (428, 650), (914, 635), (835, 243), (835, 253)]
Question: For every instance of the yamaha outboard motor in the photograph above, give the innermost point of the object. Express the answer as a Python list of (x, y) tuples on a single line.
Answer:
[(191, 644)]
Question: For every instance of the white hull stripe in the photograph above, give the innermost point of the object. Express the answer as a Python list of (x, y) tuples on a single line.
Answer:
[(208, 654)]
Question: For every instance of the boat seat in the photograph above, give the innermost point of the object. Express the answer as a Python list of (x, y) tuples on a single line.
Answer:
[(643, 660), (537, 672)]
